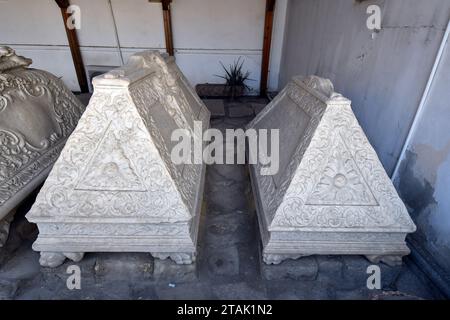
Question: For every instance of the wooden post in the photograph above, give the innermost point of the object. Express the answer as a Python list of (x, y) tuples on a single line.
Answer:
[(74, 47), (268, 26), (168, 26)]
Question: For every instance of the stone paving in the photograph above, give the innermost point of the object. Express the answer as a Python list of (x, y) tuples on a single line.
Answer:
[(228, 265)]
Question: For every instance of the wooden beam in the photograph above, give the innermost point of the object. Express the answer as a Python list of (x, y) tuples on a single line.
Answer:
[(268, 26), (168, 26), (74, 47)]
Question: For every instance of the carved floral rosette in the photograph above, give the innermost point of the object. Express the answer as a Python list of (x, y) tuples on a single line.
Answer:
[(333, 196), (114, 187), (37, 114)]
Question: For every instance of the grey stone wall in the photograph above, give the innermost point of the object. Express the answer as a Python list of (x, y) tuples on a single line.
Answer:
[(385, 75)]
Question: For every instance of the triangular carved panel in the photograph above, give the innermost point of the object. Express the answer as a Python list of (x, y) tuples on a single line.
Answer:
[(341, 182), (335, 197), (110, 168), (115, 179)]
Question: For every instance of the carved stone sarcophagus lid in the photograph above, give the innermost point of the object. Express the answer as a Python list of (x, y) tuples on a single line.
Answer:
[(114, 187), (331, 194), (37, 114)]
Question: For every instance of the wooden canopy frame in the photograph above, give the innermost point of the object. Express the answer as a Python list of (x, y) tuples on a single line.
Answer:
[(78, 61), (74, 47), (268, 27)]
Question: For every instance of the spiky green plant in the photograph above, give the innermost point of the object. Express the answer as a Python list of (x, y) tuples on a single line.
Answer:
[(235, 77)]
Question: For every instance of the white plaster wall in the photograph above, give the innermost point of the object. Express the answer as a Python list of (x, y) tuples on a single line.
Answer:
[(139, 24), (424, 177), (29, 27), (205, 32), (384, 76), (97, 28), (31, 22), (54, 59)]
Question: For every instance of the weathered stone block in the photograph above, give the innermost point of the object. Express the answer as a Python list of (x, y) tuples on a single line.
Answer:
[(37, 114), (331, 194), (115, 187), (169, 271), (302, 269), (124, 266)]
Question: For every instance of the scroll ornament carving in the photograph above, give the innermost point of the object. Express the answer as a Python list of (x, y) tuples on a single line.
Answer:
[(341, 188), (37, 113), (114, 186), (334, 196), (69, 175)]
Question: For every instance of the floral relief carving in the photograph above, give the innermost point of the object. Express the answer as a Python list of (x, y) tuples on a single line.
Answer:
[(368, 201), (37, 113), (341, 182), (334, 186), (114, 178), (67, 187)]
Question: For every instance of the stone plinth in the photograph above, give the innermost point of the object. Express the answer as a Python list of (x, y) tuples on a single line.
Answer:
[(115, 187), (37, 114), (331, 194)]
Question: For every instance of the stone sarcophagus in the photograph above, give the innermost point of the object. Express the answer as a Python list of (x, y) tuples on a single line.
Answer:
[(331, 194), (114, 186), (37, 114)]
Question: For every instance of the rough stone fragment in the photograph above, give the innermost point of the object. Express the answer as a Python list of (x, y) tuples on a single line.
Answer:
[(169, 271), (115, 187), (123, 266), (331, 266), (305, 268), (331, 194), (37, 114)]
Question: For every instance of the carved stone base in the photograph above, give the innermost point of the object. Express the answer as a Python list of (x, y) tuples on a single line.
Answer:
[(178, 258), (390, 260), (4, 228), (388, 248), (55, 259)]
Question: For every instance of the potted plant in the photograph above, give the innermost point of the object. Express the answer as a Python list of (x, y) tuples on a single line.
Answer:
[(234, 86), (235, 79)]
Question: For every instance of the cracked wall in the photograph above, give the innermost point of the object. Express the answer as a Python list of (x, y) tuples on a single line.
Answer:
[(424, 176), (385, 74)]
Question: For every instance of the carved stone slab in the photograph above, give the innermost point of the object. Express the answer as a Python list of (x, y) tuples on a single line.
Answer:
[(331, 194), (114, 187), (37, 114)]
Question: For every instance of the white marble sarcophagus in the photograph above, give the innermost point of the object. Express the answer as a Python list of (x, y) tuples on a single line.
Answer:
[(114, 187), (37, 114), (331, 194)]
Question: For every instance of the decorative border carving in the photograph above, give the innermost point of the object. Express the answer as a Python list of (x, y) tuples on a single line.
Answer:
[(20, 161)]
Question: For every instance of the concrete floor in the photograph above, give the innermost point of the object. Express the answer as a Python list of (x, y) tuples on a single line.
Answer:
[(228, 265)]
